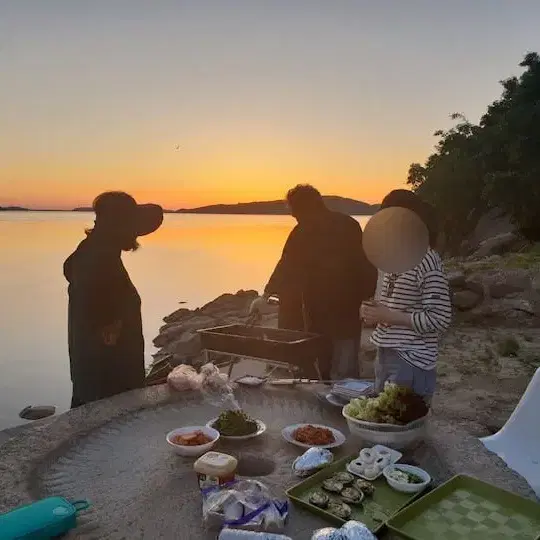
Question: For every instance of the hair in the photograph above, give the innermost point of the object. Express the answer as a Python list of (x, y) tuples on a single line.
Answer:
[(404, 198), (304, 197), (111, 207)]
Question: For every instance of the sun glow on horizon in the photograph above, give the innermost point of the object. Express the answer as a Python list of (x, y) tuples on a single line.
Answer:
[(210, 102)]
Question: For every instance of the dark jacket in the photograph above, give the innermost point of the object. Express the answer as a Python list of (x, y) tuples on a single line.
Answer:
[(101, 293), (323, 266)]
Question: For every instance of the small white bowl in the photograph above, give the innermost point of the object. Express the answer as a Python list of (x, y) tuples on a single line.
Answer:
[(405, 487), (193, 451)]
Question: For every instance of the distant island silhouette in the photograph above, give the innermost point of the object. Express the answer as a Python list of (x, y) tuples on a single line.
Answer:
[(338, 204), (13, 209)]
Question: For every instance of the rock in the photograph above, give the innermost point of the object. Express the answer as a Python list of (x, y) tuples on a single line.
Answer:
[(497, 244), (187, 346), (466, 299), (491, 224), (476, 286), (178, 315), (500, 290), (456, 279), (230, 302), (535, 283), (507, 309), (168, 333), (466, 248), (37, 412)]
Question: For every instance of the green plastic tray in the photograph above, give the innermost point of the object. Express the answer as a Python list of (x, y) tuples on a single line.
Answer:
[(465, 508), (374, 511)]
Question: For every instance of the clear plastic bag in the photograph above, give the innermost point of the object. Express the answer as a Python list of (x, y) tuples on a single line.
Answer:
[(244, 504), (183, 378), (213, 385), (216, 388)]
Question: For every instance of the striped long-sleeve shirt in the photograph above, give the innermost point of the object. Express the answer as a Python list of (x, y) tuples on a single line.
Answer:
[(424, 293)]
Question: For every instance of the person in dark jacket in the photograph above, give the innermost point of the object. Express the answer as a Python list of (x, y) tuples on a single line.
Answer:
[(106, 344), (321, 280)]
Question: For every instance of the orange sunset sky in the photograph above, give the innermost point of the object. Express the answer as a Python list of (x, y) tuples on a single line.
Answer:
[(258, 95)]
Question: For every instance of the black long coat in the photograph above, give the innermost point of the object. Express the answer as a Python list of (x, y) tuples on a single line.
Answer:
[(101, 293)]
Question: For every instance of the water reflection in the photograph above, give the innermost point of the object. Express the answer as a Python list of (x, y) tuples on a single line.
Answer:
[(192, 258)]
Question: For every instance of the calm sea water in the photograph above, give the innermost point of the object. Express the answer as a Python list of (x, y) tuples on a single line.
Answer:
[(192, 258)]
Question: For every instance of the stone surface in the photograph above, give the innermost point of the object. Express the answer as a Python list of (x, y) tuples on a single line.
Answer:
[(456, 279), (491, 224), (466, 299), (114, 452), (497, 244), (500, 290)]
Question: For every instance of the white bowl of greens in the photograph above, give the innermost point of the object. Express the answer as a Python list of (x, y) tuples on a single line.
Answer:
[(407, 478)]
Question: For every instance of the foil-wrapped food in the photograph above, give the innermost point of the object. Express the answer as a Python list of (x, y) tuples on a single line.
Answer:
[(311, 461), (352, 530)]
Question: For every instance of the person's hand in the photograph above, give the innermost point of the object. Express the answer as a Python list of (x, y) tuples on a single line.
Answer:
[(111, 333), (373, 314)]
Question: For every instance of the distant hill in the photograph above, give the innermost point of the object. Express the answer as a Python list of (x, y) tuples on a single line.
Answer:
[(90, 209), (13, 209), (339, 204)]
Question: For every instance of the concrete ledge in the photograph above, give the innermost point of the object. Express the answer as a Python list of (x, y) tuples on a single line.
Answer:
[(447, 451)]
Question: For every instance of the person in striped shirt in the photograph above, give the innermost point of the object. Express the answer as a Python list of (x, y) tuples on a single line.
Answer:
[(413, 310)]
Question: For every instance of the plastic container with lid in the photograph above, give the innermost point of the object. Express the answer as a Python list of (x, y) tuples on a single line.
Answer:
[(215, 469), (41, 520)]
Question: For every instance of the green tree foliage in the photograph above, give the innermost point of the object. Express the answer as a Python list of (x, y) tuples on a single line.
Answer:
[(495, 164)]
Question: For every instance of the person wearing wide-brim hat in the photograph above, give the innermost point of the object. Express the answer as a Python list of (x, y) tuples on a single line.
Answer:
[(106, 344)]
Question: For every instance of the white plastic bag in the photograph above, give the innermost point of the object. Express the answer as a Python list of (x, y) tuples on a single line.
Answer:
[(244, 504), (184, 377)]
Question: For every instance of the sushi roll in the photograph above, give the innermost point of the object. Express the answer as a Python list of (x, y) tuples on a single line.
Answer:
[(367, 488), (340, 510), (320, 499), (332, 485), (344, 477), (352, 496)]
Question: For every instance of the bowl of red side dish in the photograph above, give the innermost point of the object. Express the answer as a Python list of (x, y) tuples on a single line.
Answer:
[(313, 435), (192, 441)]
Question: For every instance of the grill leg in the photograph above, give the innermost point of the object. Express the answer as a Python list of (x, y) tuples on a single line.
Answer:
[(231, 365), (319, 376)]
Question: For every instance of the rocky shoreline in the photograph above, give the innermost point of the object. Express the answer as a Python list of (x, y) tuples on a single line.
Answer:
[(487, 358)]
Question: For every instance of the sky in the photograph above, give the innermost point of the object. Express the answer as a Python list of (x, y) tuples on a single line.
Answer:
[(258, 95)]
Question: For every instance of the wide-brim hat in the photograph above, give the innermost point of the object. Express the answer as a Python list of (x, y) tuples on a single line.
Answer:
[(117, 209), (148, 218)]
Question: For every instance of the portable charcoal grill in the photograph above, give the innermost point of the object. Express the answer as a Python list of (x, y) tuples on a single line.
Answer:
[(289, 349)]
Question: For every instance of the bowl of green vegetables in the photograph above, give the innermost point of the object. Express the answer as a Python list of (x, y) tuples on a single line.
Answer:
[(237, 425), (406, 478)]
